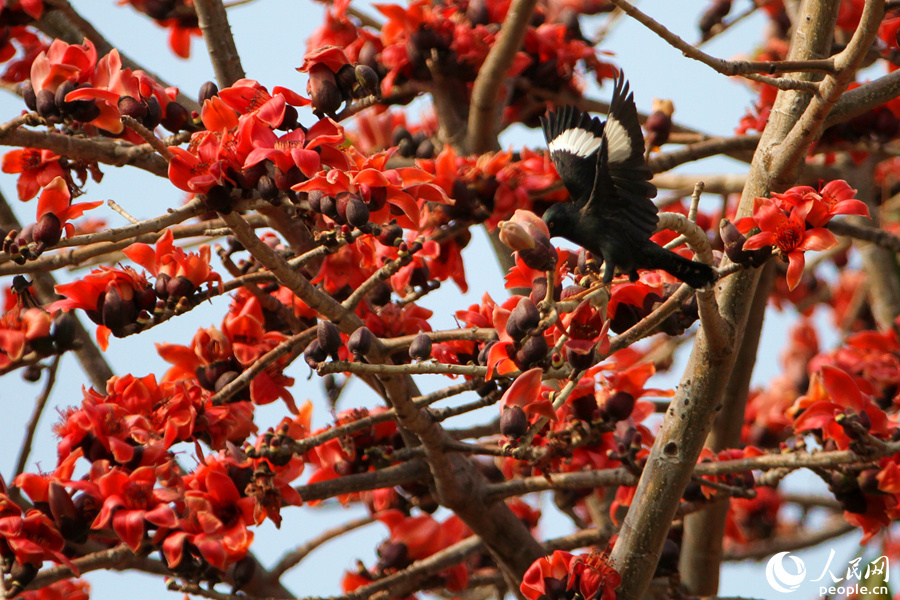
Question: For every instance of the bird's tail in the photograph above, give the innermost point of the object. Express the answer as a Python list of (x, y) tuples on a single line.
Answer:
[(695, 274)]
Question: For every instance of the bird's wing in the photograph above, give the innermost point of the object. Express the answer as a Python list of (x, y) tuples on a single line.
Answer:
[(622, 157), (573, 138), (602, 163)]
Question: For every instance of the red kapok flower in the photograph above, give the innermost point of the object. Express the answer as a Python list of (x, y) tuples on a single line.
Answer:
[(37, 167), (788, 233)]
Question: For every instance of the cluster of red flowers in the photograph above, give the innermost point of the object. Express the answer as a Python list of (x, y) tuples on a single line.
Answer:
[(794, 222), (452, 40)]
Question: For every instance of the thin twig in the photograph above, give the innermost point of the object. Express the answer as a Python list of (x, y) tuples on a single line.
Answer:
[(294, 557), (39, 406)]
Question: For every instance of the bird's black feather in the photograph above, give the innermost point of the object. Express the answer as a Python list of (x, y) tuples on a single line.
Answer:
[(602, 165)]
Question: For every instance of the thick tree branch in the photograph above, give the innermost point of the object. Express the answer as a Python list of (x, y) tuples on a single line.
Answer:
[(481, 135), (674, 454), (223, 54)]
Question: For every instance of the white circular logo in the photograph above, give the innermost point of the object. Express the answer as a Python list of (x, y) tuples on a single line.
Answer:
[(779, 578)]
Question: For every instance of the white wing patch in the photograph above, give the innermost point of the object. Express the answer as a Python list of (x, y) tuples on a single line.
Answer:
[(577, 141), (617, 140)]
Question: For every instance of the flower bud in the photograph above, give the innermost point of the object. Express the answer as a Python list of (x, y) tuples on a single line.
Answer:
[(162, 286), (329, 337), (48, 230), (420, 349), (63, 331), (20, 575), (180, 287), (154, 113), (218, 198), (46, 104), (224, 379), (314, 354), (393, 556), (713, 16), (132, 107), (523, 318), (380, 294), (28, 95), (64, 89), (328, 205), (618, 407), (426, 149), (117, 312), (390, 234), (360, 342), (515, 236), (207, 91), (580, 355), (367, 79), (513, 422), (659, 123), (323, 90), (242, 573), (533, 351), (345, 79), (175, 117), (733, 243)]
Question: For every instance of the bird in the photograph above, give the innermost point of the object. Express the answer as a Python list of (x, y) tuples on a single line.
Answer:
[(611, 214)]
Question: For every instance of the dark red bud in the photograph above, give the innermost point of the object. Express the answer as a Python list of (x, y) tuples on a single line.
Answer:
[(117, 312), (242, 573), (425, 149), (360, 342), (267, 189), (329, 337), (513, 422), (162, 286), (180, 287), (154, 113), (580, 357), (538, 290), (48, 230), (380, 294), (733, 243), (60, 97), (63, 331), (329, 207), (357, 213), (132, 107), (346, 80), (207, 91), (32, 373), (483, 353), (145, 299), (46, 104), (367, 79), (314, 198), (523, 318), (314, 354), (390, 234), (224, 379), (618, 407), (218, 198), (175, 118), (392, 555), (28, 94), (533, 351), (420, 349), (20, 576)]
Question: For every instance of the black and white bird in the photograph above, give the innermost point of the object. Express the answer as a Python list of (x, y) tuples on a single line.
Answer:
[(602, 165)]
